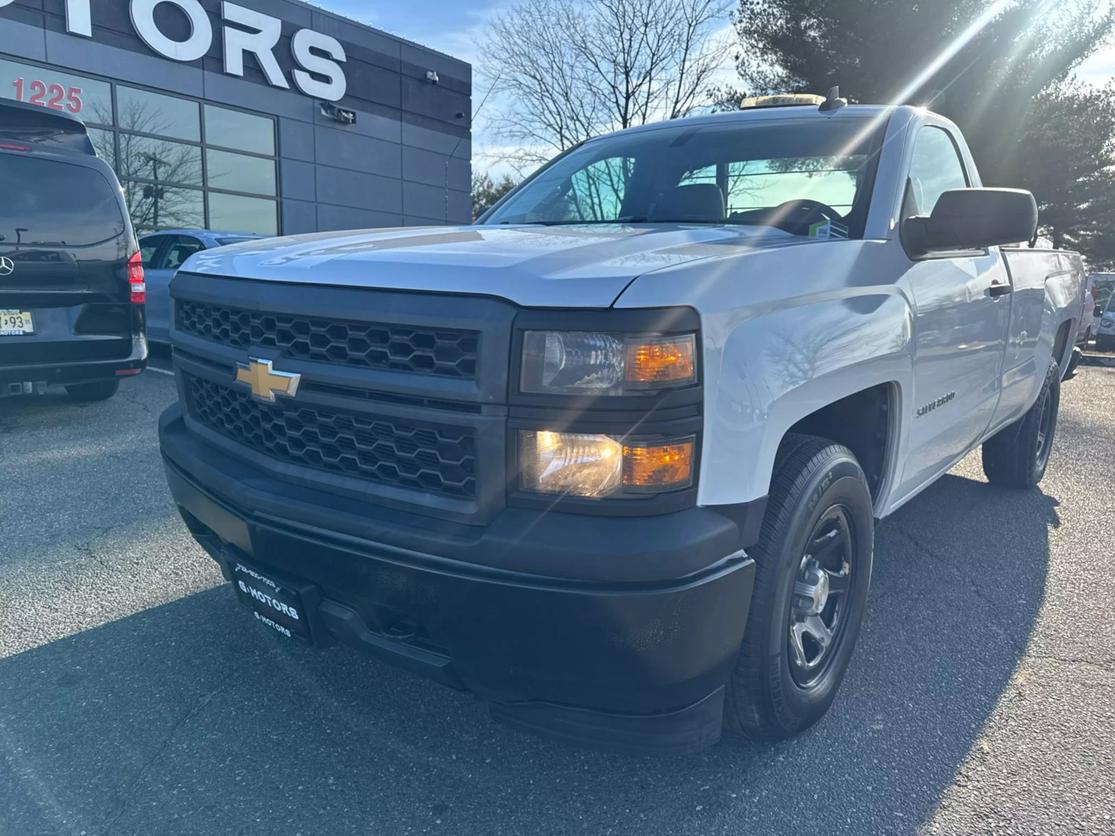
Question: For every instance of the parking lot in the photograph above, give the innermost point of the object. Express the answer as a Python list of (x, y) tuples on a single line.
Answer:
[(137, 696)]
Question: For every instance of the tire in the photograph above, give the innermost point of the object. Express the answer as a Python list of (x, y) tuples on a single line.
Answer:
[(99, 390), (1017, 456), (818, 487), (1074, 361)]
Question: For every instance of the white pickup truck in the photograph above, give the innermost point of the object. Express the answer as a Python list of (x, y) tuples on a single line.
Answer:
[(611, 458)]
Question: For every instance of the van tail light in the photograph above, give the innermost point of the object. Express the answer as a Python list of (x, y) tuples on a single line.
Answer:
[(136, 283)]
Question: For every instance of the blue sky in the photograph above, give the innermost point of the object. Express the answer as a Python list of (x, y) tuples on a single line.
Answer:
[(458, 27), (445, 25)]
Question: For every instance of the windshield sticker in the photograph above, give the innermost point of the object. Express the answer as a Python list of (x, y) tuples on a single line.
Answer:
[(828, 229)]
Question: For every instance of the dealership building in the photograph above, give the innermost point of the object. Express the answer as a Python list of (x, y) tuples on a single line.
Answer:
[(268, 116)]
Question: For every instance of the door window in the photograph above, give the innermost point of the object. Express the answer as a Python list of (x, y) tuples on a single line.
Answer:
[(179, 250), (936, 167), (149, 251)]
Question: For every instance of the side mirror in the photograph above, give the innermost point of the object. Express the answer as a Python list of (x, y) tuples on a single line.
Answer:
[(972, 219), (1098, 310)]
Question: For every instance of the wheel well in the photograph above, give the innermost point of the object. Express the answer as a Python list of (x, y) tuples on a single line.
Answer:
[(862, 423)]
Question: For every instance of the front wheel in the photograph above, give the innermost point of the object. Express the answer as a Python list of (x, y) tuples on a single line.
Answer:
[(1017, 456), (813, 569)]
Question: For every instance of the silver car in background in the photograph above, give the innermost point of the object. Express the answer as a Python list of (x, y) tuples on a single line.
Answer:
[(163, 253), (1105, 331)]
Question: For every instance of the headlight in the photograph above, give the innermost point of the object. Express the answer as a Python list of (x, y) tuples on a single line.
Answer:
[(590, 363), (586, 465)]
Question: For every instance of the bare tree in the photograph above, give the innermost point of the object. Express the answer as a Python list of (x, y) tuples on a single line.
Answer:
[(567, 71), (161, 178)]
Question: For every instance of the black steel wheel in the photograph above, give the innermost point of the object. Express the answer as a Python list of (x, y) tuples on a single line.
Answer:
[(819, 613), (813, 570), (1018, 455)]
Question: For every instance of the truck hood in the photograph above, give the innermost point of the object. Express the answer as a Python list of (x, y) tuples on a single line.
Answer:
[(557, 266)]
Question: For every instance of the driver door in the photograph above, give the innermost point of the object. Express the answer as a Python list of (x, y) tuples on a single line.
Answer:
[(960, 326)]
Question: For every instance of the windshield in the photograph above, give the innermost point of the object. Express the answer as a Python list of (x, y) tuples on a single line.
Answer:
[(806, 177)]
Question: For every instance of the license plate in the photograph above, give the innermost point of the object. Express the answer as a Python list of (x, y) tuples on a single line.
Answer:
[(274, 604), (14, 323)]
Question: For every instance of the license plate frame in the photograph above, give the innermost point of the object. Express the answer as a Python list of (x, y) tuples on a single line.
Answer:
[(15, 322), (277, 604)]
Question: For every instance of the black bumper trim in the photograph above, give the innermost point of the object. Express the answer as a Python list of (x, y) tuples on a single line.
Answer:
[(634, 666), (681, 732), (70, 373)]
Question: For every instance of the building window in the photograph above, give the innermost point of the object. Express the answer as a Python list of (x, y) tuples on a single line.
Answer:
[(154, 206), (104, 143), (84, 97), (159, 146), (159, 161), (239, 131), (153, 113), (240, 173), (242, 214)]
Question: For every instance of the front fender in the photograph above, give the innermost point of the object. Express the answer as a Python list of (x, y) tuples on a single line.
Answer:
[(764, 374)]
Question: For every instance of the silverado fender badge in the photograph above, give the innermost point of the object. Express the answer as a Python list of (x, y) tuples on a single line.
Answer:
[(941, 401), (259, 376)]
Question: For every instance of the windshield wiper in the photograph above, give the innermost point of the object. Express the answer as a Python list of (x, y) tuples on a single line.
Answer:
[(631, 220), (635, 219)]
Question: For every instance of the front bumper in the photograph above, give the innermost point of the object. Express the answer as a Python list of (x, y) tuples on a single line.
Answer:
[(616, 632)]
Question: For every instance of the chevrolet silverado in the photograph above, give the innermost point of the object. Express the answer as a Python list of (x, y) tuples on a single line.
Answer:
[(612, 457)]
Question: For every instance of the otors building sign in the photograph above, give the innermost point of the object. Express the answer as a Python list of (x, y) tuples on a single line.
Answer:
[(270, 116)]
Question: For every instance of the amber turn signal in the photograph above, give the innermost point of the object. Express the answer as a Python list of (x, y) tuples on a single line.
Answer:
[(662, 360), (656, 467)]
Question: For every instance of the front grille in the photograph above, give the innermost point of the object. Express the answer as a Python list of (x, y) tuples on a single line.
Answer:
[(387, 451), (435, 351)]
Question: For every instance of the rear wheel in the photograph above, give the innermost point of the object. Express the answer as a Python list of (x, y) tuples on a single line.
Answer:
[(813, 569), (1074, 361), (100, 390), (1017, 456)]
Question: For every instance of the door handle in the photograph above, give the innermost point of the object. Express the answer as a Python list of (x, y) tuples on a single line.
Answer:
[(1000, 289)]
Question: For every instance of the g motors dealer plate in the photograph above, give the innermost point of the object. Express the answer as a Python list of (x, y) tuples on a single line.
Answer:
[(274, 605), (15, 323)]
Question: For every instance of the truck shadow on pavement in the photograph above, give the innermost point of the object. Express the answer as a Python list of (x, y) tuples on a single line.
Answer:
[(188, 717)]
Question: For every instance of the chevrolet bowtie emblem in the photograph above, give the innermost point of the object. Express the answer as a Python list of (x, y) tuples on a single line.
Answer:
[(265, 382)]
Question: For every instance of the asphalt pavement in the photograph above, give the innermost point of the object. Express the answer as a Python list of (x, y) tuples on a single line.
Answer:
[(137, 695)]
